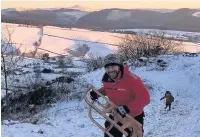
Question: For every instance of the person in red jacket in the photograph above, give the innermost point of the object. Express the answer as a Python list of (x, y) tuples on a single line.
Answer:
[(124, 89)]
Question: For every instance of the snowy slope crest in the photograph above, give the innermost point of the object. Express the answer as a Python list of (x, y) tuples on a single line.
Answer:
[(181, 77)]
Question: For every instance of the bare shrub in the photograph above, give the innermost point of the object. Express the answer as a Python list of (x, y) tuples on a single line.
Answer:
[(151, 44), (63, 61), (94, 62)]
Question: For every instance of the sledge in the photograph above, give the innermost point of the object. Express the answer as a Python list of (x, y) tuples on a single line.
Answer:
[(107, 109)]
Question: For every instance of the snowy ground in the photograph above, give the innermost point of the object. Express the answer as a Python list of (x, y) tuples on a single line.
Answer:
[(181, 78), (23, 73)]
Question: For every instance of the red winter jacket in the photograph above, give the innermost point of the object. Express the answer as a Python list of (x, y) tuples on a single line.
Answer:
[(127, 90)]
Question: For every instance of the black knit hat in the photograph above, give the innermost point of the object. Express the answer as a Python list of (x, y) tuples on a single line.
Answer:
[(112, 59)]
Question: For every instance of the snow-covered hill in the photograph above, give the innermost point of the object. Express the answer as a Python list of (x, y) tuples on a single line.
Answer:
[(181, 78), (196, 14), (117, 15), (74, 14), (66, 118)]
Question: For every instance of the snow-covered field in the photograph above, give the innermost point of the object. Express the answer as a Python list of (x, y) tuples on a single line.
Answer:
[(62, 39), (181, 78), (171, 32), (24, 37), (58, 39), (190, 47)]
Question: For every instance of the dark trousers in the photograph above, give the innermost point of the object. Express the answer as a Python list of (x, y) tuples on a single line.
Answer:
[(116, 133), (167, 104)]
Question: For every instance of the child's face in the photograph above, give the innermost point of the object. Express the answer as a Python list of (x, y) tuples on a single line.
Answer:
[(167, 94)]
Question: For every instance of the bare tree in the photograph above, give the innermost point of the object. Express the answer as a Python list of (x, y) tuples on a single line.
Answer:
[(37, 44), (10, 55)]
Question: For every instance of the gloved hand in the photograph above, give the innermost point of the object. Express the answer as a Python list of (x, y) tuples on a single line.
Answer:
[(93, 95), (125, 63), (162, 98), (123, 110)]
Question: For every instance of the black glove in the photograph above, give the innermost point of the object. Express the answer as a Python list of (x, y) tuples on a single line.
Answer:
[(93, 95), (162, 98), (123, 110)]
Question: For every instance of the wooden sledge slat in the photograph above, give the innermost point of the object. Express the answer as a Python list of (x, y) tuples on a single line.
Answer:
[(127, 121)]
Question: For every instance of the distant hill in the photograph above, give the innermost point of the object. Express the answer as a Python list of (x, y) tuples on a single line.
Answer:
[(182, 19), (55, 17)]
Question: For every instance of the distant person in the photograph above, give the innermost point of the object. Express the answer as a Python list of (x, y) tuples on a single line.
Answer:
[(169, 99)]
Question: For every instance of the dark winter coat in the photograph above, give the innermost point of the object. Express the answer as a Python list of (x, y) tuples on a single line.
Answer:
[(169, 98)]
